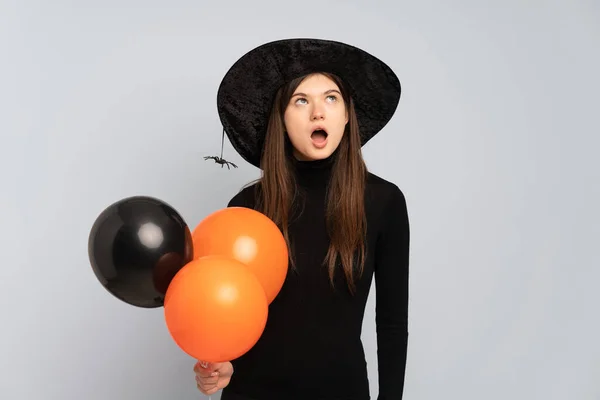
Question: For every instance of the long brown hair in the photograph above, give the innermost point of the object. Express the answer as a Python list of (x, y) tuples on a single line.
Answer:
[(345, 214)]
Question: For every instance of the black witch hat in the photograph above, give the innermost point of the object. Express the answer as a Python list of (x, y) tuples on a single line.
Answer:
[(246, 94)]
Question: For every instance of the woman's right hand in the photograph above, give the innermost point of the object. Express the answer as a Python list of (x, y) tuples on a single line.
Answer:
[(212, 377)]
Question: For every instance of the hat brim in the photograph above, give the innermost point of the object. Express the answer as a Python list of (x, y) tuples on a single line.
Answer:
[(245, 95)]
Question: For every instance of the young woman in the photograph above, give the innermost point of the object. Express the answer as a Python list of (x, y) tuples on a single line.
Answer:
[(300, 110)]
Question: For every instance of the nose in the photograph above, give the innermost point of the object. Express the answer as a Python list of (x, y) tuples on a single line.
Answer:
[(317, 113)]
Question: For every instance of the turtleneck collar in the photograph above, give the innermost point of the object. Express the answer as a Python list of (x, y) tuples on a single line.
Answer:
[(314, 172)]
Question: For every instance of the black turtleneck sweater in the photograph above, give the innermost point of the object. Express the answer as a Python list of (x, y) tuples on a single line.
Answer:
[(311, 347)]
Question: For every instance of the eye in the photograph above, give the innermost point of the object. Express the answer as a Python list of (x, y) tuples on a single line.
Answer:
[(332, 98), (301, 99)]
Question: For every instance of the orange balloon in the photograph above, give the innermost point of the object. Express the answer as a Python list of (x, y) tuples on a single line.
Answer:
[(247, 236), (215, 309)]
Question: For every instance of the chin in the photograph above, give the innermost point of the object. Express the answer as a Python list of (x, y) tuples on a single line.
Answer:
[(313, 154)]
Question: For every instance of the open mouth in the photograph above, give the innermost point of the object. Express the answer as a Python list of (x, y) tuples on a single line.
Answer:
[(319, 136)]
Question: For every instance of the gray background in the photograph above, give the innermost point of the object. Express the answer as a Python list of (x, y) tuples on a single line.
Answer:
[(495, 145)]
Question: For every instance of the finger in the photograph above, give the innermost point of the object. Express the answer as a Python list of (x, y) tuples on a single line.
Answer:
[(213, 380), (212, 391), (204, 364), (205, 372), (200, 365), (201, 389), (208, 390), (224, 369), (205, 387)]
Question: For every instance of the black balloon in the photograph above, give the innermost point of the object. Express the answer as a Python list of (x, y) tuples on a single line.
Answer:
[(136, 246)]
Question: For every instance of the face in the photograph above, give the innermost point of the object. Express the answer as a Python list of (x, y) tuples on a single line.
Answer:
[(315, 118)]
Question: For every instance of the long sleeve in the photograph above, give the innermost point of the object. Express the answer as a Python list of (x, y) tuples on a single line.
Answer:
[(391, 280)]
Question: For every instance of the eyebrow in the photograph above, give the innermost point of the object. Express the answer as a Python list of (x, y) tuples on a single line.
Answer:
[(326, 92)]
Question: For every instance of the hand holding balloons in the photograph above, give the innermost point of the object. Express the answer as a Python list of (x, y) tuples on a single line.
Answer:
[(212, 377)]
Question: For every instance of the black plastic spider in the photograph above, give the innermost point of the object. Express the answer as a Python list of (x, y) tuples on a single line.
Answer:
[(220, 160)]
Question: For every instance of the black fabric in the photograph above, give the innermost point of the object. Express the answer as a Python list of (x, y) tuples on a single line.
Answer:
[(246, 93), (311, 347), (228, 394)]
